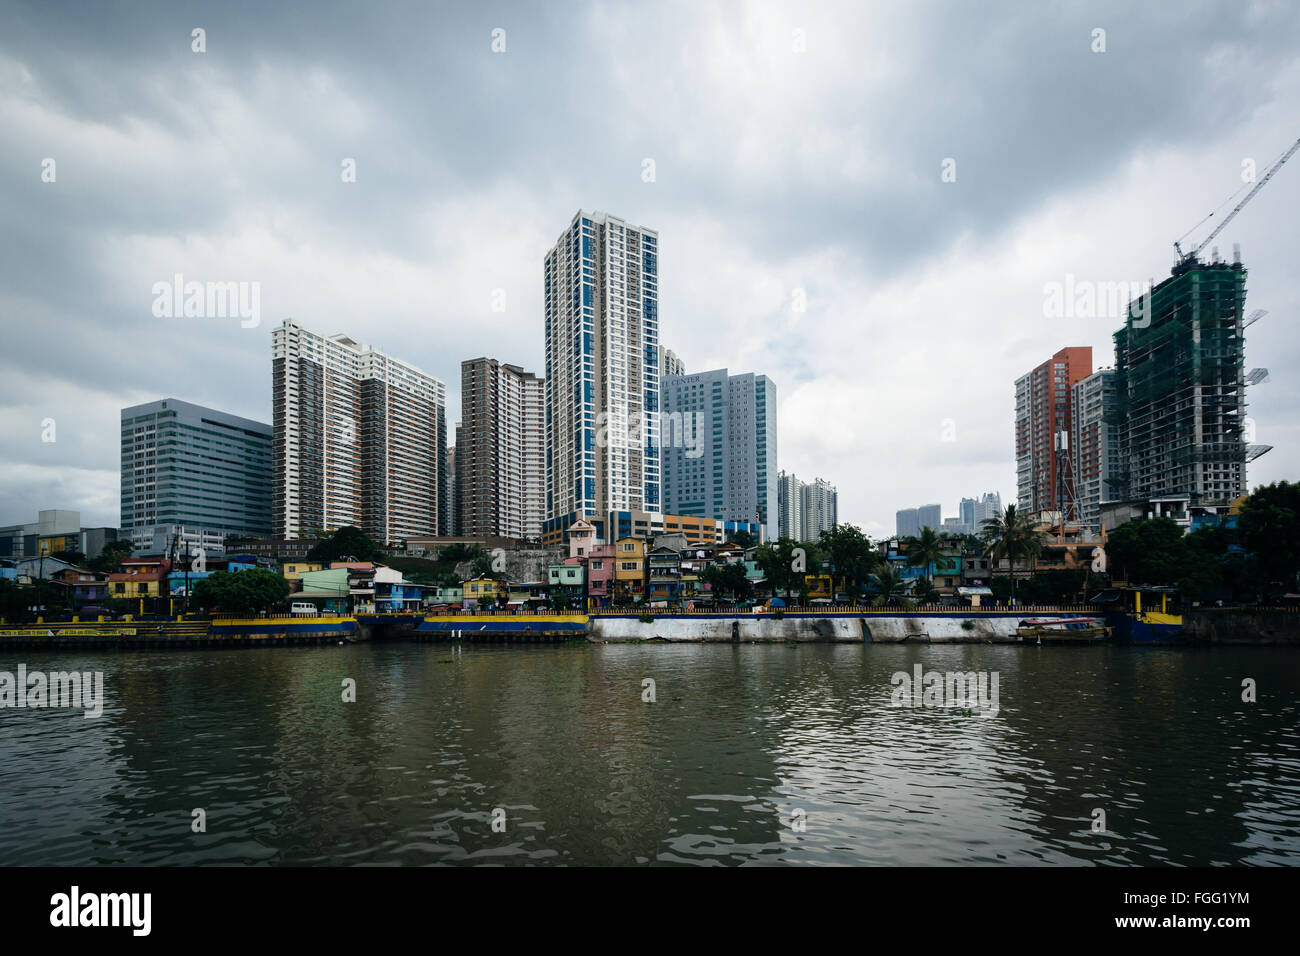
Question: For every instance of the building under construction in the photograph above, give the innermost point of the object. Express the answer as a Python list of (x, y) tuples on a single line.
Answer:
[(1180, 388)]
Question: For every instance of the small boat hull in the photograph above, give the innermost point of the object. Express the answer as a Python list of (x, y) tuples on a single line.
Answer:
[(1062, 635)]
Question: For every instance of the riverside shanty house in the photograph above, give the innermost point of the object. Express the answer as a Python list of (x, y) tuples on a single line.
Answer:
[(663, 575), (360, 587)]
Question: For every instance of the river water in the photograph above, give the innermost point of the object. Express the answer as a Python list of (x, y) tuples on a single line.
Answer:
[(776, 754)]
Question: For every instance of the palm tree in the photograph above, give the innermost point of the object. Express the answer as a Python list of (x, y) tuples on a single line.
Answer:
[(926, 551), (889, 586), (1012, 536)]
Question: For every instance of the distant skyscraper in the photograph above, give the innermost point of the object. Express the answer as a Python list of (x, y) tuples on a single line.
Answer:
[(789, 506), (718, 434), (1042, 417), (988, 506), (670, 365), (909, 522), (1094, 406), (805, 510), (602, 371), (360, 439), (499, 448), (820, 508), (930, 516), (966, 513), (185, 464)]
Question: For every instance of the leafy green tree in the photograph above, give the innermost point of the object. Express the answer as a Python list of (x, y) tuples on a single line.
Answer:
[(1014, 537), (15, 599), (743, 539), (458, 551), (347, 542), (1147, 551), (1055, 586), (482, 564), (850, 556), (240, 592), (925, 551), (1269, 524), (784, 564), (729, 579), (111, 557), (924, 590), (72, 557)]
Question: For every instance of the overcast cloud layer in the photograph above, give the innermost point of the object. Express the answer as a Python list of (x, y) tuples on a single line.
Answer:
[(775, 171)]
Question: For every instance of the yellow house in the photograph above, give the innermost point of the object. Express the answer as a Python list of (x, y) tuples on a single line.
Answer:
[(293, 570), (484, 590), (629, 569), (143, 588)]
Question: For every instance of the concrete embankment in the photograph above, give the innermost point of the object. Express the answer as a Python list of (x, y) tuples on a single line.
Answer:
[(1241, 626), (810, 628)]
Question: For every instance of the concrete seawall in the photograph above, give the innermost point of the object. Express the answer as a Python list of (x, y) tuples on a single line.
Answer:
[(948, 629), (1234, 626)]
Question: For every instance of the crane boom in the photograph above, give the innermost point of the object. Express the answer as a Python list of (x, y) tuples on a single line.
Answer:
[(1237, 208)]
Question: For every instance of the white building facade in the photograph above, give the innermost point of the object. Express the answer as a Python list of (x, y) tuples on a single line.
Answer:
[(602, 370)]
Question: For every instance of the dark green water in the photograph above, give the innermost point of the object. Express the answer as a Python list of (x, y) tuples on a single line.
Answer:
[(743, 745)]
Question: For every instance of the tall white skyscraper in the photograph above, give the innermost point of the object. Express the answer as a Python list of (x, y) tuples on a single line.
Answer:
[(821, 508), (602, 371), (719, 447), (805, 510), (360, 439), (789, 506)]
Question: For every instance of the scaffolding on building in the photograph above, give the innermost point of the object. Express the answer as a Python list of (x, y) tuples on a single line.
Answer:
[(1181, 387)]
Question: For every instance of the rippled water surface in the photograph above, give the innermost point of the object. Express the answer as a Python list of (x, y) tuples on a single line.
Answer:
[(749, 754)]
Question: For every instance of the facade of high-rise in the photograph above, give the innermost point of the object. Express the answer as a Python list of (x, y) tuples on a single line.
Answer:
[(909, 521), (500, 460), (360, 439), (1181, 388), (789, 506), (184, 465), (670, 364), (989, 505), (805, 509), (1095, 433), (602, 371), (1044, 473), (718, 434), (820, 507), (453, 490)]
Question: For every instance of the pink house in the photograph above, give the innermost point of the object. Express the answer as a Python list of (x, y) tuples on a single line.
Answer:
[(598, 558)]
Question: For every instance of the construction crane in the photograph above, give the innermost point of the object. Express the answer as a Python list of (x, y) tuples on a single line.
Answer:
[(1185, 256)]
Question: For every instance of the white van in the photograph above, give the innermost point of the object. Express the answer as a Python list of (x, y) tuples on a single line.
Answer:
[(303, 609)]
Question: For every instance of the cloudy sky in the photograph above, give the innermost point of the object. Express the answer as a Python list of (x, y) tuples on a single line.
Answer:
[(798, 150)]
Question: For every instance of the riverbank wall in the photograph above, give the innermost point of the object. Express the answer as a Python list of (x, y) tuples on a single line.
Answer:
[(918, 628), (1242, 626)]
